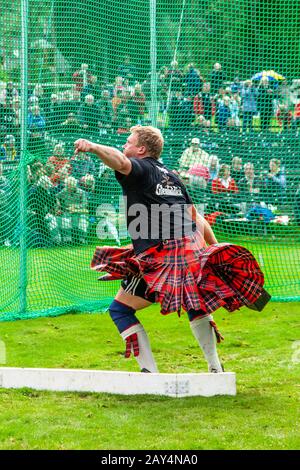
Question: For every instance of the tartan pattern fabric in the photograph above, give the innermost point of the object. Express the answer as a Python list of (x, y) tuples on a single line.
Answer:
[(132, 342), (218, 334), (183, 273)]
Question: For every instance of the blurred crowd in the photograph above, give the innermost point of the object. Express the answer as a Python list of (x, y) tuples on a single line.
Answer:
[(64, 191), (235, 187), (69, 197), (186, 99), (63, 198)]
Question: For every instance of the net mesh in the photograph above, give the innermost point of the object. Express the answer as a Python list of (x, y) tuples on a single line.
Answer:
[(219, 77)]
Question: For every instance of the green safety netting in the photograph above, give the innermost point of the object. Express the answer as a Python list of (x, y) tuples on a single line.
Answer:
[(221, 78)]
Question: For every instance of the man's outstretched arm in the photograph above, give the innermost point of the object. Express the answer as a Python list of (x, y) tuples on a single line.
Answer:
[(110, 156)]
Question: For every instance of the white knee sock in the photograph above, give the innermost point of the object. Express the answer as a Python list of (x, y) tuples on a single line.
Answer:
[(145, 358), (205, 335)]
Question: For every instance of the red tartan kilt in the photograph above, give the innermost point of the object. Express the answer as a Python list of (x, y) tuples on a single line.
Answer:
[(184, 274)]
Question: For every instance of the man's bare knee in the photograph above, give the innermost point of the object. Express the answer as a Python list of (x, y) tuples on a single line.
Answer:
[(137, 303)]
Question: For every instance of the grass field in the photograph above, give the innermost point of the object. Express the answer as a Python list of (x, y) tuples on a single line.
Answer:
[(262, 348)]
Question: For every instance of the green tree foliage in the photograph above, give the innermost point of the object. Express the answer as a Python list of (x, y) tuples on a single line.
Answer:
[(103, 33), (246, 36)]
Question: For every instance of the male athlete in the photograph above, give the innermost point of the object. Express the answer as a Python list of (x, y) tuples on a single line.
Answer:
[(175, 258)]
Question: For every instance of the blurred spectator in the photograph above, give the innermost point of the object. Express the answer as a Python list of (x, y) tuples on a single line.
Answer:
[(198, 176), (275, 183), (8, 151), (40, 98), (117, 102), (198, 105), (218, 100), (234, 107), (146, 89), (224, 114), (174, 117), (201, 124), (265, 103), (249, 183), (92, 88), (236, 168), (162, 77), (8, 94), (203, 104), (58, 158), (34, 172), (36, 128), (296, 118), (285, 91), (236, 86), (82, 77), (42, 206), (69, 104), (33, 101), (16, 107), (174, 77), (71, 124), (224, 183), (7, 119), (122, 111), (249, 105), (217, 78), (185, 114), (73, 209), (284, 116), (82, 165), (139, 98), (193, 81), (162, 88), (124, 125), (49, 170), (4, 182), (127, 88), (191, 156), (118, 86), (213, 166), (54, 117), (89, 114), (75, 96), (132, 110), (87, 183), (127, 70), (105, 110), (60, 177)]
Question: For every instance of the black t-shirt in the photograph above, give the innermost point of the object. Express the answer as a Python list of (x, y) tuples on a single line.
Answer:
[(156, 204)]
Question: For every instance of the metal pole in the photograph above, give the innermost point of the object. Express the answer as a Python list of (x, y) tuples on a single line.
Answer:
[(153, 60), (174, 58), (23, 166), (48, 30)]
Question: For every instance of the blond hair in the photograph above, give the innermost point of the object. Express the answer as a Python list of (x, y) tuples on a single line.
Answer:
[(222, 170), (275, 161), (151, 138), (249, 165)]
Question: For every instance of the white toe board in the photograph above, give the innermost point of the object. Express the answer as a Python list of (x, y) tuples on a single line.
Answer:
[(123, 383)]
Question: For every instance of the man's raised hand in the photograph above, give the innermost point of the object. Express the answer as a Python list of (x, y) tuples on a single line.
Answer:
[(83, 145)]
